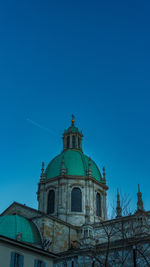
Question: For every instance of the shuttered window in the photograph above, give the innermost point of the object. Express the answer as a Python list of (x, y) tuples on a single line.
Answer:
[(39, 263), (17, 260)]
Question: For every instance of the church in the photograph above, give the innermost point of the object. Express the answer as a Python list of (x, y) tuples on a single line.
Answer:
[(70, 227)]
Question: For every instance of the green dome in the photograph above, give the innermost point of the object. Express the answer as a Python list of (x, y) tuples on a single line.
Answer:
[(11, 225), (76, 163)]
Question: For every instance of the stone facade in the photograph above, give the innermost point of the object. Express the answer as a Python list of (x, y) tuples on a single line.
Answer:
[(63, 184), (123, 242), (57, 235), (63, 187)]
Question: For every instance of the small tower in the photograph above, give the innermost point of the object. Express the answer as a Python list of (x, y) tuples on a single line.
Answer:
[(118, 208), (87, 236), (72, 137), (140, 201)]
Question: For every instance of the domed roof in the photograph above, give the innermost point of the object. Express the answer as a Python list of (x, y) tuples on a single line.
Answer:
[(75, 162), (12, 225), (72, 129)]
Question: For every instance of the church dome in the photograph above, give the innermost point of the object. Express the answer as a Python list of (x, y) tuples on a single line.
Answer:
[(75, 163), (14, 225)]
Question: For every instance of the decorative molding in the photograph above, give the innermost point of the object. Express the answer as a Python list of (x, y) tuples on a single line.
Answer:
[(51, 187), (76, 184)]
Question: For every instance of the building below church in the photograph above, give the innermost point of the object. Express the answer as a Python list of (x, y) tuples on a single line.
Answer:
[(70, 227)]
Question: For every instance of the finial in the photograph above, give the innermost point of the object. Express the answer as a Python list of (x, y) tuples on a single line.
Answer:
[(63, 162), (19, 236), (140, 201), (89, 171), (118, 197), (104, 174), (63, 169), (138, 188), (42, 171), (73, 120), (118, 208)]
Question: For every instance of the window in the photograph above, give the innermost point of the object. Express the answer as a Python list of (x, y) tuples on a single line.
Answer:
[(51, 202), (76, 199), (98, 204), (17, 260), (73, 141), (68, 141), (78, 142), (39, 263)]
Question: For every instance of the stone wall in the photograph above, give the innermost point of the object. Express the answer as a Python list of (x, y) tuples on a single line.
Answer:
[(59, 235), (21, 210), (63, 187)]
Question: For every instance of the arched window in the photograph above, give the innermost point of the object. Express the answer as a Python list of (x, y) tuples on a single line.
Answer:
[(73, 141), (76, 199), (98, 204), (78, 142), (51, 202), (68, 141)]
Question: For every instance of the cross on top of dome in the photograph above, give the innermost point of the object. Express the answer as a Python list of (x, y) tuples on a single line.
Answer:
[(73, 120)]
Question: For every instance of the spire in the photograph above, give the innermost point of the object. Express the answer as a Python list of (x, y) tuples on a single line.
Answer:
[(104, 175), (63, 169), (42, 172), (89, 171), (118, 208), (140, 201), (73, 120)]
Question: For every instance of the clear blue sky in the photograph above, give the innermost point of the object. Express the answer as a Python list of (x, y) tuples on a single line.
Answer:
[(87, 58)]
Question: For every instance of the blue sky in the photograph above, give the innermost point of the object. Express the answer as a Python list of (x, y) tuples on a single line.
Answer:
[(87, 58)]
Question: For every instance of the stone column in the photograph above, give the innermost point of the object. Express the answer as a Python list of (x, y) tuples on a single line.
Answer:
[(59, 196), (67, 198), (77, 146), (70, 140)]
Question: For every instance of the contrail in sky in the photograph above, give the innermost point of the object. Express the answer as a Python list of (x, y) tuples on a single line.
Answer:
[(40, 126)]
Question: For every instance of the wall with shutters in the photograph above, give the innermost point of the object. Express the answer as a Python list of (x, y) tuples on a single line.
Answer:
[(6, 251)]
